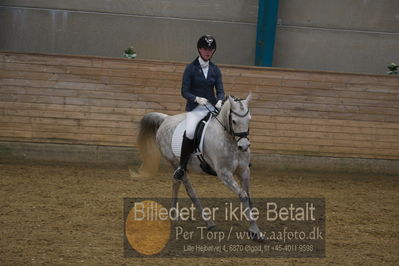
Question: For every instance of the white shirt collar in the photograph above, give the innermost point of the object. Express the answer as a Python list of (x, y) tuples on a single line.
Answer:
[(203, 63)]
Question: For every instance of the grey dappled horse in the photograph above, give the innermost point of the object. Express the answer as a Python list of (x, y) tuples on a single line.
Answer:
[(225, 148)]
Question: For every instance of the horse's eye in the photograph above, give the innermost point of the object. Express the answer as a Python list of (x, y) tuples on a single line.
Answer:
[(234, 122)]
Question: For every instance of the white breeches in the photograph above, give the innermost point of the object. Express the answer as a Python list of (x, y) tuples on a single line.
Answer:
[(194, 116)]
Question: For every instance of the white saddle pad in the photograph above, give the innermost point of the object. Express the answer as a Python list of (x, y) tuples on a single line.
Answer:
[(177, 138)]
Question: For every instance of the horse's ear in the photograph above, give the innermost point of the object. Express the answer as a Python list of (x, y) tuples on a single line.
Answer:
[(231, 100), (249, 98)]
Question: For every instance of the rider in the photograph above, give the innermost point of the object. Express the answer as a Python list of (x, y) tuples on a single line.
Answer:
[(199, 80)]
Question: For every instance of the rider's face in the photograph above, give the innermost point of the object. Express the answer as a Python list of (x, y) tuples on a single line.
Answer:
[(206, 54)]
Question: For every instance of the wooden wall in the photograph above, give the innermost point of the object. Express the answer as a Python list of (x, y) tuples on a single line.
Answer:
[(92, 100)]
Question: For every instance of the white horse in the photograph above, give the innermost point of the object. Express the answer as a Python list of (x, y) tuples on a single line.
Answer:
[(225, 149)]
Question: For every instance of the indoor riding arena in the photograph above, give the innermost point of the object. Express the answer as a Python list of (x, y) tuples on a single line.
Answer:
[(68, 156)]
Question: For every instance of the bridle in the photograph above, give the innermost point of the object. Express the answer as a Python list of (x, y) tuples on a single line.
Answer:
[(240, 135), (235, 135)]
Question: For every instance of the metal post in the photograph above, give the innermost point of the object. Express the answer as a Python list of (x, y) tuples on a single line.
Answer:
[(266, 32)]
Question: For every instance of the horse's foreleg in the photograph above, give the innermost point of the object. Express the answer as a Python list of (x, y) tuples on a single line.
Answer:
[(230, 182), (193, 195), (245, 177), (245, 180)]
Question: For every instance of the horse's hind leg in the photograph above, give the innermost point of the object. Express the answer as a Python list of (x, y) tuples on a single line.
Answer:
[(175, 193), (193, 195)]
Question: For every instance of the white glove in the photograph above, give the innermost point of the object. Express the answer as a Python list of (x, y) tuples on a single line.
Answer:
[(201, 101), (219, 104)]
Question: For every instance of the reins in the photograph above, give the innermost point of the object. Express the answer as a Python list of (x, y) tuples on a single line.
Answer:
[(231, 132), (215, 113)]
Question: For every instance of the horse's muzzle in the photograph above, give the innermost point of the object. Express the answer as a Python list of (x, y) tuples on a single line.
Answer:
[(243, 144)]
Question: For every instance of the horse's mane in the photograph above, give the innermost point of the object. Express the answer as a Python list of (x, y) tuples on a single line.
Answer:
[(223, 115)]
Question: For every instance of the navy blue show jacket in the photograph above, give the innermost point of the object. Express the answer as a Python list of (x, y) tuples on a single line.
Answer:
[(195, 84)]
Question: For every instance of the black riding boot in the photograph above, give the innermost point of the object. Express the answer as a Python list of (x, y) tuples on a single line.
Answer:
[(187, 148)]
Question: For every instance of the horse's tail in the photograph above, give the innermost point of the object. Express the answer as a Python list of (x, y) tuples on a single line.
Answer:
[(148, 150)]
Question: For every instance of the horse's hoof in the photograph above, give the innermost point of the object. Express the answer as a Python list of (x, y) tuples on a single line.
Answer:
[(257, 236)]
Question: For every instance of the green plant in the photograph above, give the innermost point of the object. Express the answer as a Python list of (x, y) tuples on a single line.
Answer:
[(393, 69), (129, 52)]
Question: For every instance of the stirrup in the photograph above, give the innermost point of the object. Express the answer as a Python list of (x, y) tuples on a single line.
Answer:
[(179, 173)]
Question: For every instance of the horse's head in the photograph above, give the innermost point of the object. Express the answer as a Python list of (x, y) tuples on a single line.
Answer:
[(236, 116)]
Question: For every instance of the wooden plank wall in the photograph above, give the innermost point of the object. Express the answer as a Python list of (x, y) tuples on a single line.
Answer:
[(92, 100)]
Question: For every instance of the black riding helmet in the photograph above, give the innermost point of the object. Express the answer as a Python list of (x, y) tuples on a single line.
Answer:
[(207, 42)]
